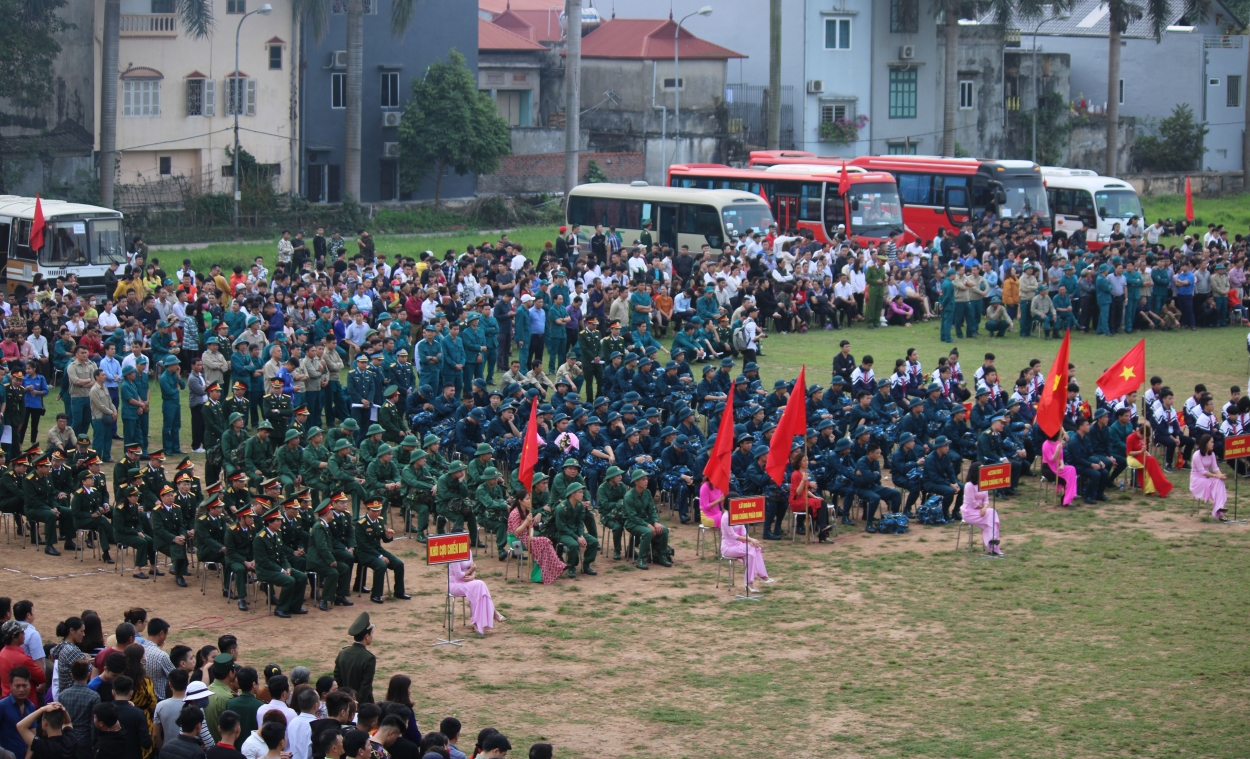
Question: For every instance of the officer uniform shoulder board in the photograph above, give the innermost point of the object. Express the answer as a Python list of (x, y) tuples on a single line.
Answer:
[(234, 527), (362, 520), (30, 476), (80, 490), (204, 518)]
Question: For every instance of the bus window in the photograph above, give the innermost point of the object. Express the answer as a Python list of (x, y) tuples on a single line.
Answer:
[(700, 220), (809, 201), (835, 210), (667, 227), (67, 243), (916, 189), (107, 245), (1117, 204), (631, 214), (21, 241), (1083, 206), (1060, 201), (739, 217)]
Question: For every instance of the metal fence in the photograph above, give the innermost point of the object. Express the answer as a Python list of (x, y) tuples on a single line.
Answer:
[(747, 105)]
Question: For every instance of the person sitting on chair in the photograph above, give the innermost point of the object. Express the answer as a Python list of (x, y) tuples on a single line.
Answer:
[(1206, 481), (736, 544), (1052, 458), (977, 511)]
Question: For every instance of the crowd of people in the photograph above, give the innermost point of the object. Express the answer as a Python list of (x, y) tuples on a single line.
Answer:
[(136, 694)]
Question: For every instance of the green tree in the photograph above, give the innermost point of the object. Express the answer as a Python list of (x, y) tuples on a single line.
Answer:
[(28, 48), (1176, 144), (448, 123)]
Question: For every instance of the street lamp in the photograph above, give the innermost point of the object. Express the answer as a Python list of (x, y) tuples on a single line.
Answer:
[(1036, 99), (236, 102), (704, 11)]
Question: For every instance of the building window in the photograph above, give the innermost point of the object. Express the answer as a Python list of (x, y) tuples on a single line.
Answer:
[(965, 94), (275, 57), (240, 96), (369, 7), (903, 93), (1234, 90), (1121, 96), (338, 90), (675, 84), (904, 16), (390, 89), (837, 34), (900, 148), (166, 165), (201, 97), (236, 6), (141, 97), (515, 106), (831, 112), (162, 6)]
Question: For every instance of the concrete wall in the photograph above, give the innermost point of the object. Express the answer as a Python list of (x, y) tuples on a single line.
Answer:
[(1087, 143), (36, 174), (1207, 184), (982, 129), (847, 74), (924, 131), (535, 140), (438, 27), (512, 72), (525, 174)]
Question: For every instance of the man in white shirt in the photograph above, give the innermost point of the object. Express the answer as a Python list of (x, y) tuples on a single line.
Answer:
[(518, 262), (279, 690), (299, 730), (637, 264)]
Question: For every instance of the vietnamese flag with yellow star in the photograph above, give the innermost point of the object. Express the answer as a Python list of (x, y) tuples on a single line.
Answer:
[(1054, 400), (1125, 375)]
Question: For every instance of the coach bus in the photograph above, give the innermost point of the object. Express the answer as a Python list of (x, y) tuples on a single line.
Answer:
[(944, 192), (77, 239), (677, 216), (1081, 196), (811, 198)]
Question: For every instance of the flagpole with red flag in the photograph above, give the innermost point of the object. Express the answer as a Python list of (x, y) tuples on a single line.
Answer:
[(1189, 201), (1125, 375), (720, 462), (529, 449), (37, 227), (1054, 398), (793, 422)]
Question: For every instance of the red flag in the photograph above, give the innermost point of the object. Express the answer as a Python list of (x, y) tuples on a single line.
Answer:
[(1055, 395), (1189, 201), (720, 463), (844, 181), (36, 227), (764, 195), (529, 449), (1125, 375), (793, 422)]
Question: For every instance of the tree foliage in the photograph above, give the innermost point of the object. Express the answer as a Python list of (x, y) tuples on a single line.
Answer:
[(28, 48), (449, 124), (1176, 144)]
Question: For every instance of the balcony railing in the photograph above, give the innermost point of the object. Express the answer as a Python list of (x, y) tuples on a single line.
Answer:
[(1222, 41), (149, 25)]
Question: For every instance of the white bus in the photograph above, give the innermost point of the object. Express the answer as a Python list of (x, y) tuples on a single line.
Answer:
[(77, 239), (678, 216), (1081, 196)]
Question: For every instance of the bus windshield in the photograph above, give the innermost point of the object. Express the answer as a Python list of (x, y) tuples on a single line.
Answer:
[(107, 244), (875, 207), (1117, 204), (741, 216), (65, 243), (1026, 195)]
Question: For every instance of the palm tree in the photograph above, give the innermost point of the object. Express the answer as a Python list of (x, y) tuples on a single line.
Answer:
[(318, 13), (1120, 14), (1003, 12), (197, 19)]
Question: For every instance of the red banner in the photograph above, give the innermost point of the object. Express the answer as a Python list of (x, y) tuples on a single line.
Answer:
[(1237, 447), (995, 476), (748, 510), (446, 549)]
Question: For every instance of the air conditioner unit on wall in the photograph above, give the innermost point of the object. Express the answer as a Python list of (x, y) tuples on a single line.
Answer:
[(390, 150), (339, 60), (815, 86), (907, 53), (391, 118)]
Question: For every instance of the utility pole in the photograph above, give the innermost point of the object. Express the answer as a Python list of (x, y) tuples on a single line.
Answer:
[(108, 101), (774, 75), (572, 91)]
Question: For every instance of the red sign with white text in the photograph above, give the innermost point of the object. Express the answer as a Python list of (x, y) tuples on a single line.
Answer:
[(748, 510), (447, 549), (995, 476), (1237, 447)]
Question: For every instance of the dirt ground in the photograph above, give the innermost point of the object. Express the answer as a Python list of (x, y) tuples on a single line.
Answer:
[(569, 665)]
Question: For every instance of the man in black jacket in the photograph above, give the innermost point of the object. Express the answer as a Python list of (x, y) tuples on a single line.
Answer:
[(844, 363), (133, 722)]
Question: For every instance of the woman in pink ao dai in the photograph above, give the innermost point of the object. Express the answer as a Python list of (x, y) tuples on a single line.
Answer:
[(977, 510), (736, 544), (464, 583)]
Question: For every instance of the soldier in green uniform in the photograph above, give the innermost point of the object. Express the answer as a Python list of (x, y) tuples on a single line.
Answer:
[(390, 419), (133, 393), (130, 528), (11, 499), (321, 561), (37, 498), (276, 407), (643, 522), (371, 533), (258, 454), (234, 437), (875, 277), (492, 503), (273, 568), (91, 508), (611, 499), (590, 341), (433, 449), (314, 463), (570, 527), (344, 472), (419, 483), (454, 504), (354, 665), (153, 475), (294, 534), (299, 422), (121, 470), (238, 541), (571, 472), (238, 402), (185, 501), (214, 415), (408, 446), (343, 544), (478, 466), (369, 445), (288, 462), (188, 468), (63, 486), (236, 497), (382, 480), (210, 539), (346, 430), (169, 534)]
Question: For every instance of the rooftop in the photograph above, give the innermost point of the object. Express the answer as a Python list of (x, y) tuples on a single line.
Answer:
[(492, 37), (649, 39)]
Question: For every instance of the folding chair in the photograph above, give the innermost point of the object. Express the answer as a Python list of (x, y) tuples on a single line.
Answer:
[(721, 562), (959, 534), (80, 544), (515, 553)]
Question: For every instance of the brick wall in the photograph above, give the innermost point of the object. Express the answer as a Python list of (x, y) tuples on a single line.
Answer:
[(545, 172)]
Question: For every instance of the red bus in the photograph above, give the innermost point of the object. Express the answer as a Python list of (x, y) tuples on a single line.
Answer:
[(810, 197), (943, 192)]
